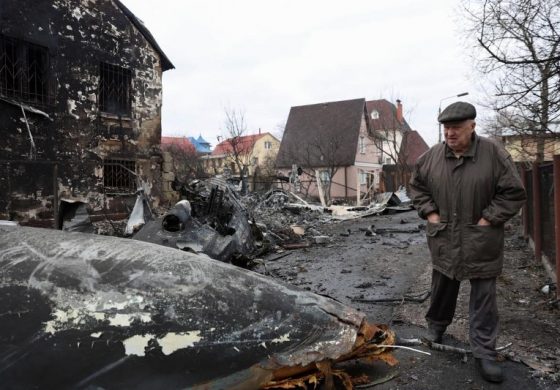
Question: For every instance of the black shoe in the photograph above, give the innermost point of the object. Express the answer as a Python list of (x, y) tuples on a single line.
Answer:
[(490, 370), (435, 336)]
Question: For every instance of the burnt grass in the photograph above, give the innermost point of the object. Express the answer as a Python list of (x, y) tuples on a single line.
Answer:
[(357, 267)]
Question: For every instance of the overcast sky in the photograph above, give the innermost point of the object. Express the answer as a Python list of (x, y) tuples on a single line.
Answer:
[(262, 57)]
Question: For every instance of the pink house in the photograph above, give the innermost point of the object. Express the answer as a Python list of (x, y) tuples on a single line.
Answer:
[(332, 142)]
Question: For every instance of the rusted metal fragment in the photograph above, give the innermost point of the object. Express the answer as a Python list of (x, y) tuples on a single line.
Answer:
[(118, 313)]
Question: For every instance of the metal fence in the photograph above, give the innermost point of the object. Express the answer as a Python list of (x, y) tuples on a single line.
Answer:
[(540, 209)]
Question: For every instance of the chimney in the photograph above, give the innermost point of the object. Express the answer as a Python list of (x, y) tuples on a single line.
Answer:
[(259, 130), (400, 118)]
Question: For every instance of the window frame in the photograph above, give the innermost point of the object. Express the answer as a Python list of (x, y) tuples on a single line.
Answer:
[(110, 74), (362, 144), (119, 167), (25, 71)]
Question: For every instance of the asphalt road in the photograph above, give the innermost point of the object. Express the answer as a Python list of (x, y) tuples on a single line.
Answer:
[(354, 267)]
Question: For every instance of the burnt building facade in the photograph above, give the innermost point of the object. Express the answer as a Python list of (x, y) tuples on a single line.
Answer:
[(80, 108)]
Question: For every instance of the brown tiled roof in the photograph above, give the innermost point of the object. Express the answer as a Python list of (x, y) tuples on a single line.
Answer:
[(331, 129), (413, 146), (387, 116)]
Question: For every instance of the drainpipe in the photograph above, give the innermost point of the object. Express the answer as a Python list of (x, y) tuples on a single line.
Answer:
[(537, 236), (557, 219)]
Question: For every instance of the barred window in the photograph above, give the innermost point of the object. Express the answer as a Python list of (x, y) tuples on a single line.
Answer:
[(114, 89), (119, 176), (24, 69)]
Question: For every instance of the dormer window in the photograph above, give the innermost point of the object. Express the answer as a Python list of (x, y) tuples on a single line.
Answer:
[(375, 114)]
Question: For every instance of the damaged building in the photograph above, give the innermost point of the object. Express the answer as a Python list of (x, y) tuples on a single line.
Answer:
[(80, 109)]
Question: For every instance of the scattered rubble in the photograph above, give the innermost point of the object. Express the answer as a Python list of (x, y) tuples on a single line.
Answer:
[(213, 219)]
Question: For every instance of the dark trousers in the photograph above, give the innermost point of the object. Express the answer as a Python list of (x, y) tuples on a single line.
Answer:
[(483, 311)]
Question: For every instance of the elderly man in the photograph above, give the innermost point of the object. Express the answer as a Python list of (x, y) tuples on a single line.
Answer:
[(467, 188)]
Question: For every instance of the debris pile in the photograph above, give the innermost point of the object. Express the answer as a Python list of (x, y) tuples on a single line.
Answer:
[(286, 220), (211, 220)]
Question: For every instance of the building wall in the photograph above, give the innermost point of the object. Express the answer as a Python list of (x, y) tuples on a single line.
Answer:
[(72, 148), (525, 148), (262, 155)]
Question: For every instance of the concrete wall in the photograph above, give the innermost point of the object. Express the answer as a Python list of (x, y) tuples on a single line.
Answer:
[(72, 146)]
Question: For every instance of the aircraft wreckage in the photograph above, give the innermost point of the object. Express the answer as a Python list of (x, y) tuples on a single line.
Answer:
[(87, 311), (211, 221)]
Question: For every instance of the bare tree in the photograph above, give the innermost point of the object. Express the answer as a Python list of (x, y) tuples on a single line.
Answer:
[(517, 50), (264, 173), (239, 146), (279, 130), (324, 155), (390, 139), (186, 164)]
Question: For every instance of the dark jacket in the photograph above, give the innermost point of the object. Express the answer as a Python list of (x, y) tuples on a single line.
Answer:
[(482, 183)]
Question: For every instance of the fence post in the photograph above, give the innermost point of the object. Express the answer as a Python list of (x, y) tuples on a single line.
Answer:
[(537, 235), (556, 173), (525, 210)]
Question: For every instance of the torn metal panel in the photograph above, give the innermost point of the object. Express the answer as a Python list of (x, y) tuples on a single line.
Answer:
[(141, 213), (118, 313)]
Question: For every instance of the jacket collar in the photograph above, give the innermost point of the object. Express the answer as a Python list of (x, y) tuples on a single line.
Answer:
[(471, 152)]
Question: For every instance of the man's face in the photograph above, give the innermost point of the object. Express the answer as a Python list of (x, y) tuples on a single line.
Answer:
[(458, 134)]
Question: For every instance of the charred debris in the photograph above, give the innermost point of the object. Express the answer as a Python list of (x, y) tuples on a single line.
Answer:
[(213, 219)]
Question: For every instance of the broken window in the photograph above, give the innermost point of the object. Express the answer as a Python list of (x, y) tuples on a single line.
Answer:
[(114, 89), (119, 176), (24, 69)]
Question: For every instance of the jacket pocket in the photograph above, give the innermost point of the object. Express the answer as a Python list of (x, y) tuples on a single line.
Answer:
[(438, 239), (483, 243)]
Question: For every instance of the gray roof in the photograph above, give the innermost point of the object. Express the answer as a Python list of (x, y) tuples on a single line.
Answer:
[(328, 130)]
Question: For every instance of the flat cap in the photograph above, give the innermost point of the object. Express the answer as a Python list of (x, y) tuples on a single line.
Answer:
[(456, 112)]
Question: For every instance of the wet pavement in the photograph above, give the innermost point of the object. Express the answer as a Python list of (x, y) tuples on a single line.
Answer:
[(355, 266)]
